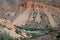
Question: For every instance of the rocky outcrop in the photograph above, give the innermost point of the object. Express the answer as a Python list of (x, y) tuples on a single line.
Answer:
[(33, 10)]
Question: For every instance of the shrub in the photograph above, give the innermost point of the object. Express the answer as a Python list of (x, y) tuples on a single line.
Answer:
[(5, 36)]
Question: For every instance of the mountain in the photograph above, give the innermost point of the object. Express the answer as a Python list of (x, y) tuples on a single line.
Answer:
[(35, 14)]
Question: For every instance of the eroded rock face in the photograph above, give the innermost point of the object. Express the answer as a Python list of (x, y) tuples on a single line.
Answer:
[(35, 11), (27, 12)]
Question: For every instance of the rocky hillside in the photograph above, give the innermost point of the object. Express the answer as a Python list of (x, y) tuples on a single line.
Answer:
[(35, 14)]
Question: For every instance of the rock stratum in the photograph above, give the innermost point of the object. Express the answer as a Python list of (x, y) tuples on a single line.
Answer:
[(22, 13)]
